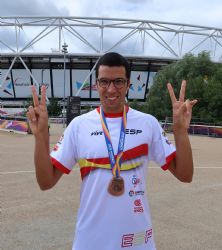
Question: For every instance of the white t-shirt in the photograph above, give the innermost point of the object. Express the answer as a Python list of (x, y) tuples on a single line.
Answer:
[(107, 222)]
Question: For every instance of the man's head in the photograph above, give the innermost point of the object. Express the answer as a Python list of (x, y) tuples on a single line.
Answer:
[(112, 59), (112, 80)]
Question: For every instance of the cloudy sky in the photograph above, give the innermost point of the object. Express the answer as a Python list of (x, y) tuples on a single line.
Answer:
[(204, 12), (195, 12)]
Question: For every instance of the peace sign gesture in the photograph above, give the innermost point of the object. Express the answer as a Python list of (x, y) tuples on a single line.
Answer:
[(38, 115), (182, 109)]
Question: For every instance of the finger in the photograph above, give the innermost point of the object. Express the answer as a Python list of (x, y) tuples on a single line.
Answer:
[(188, 105), (185, 106), (43, 95), (37, 110), (171, 92), (35, 96), (28, 115), (31, 114), (182, 91), (193, 102)]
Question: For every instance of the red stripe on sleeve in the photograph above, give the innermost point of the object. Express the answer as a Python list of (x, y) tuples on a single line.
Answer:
[(168, 161), (59, 166)]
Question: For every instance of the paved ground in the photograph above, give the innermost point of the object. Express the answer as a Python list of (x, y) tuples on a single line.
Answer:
[(185, 216)]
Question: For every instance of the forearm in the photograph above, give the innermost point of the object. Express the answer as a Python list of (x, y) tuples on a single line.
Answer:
[(184, 158), (43, 166)]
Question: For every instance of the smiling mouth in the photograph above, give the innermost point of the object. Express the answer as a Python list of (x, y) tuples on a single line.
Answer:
[(112, 98)]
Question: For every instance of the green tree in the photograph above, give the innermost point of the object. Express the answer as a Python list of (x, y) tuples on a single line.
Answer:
[(204, 83), (54, 109), (28, 102)]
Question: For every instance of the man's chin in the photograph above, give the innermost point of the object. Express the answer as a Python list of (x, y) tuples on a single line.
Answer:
[(113, 107)]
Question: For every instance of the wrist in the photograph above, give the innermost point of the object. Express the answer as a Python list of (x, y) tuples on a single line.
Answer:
[(179, 130), (43, 135)]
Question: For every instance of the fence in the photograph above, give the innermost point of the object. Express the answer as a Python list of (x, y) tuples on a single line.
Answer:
[(195, 129)]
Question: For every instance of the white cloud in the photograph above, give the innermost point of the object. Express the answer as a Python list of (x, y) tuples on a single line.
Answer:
[(33, 8), (205, 13)]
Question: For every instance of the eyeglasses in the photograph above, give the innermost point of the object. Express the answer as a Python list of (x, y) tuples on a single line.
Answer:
[(118, 82)]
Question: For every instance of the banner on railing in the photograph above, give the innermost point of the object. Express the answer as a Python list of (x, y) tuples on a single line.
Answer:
[(213, 131), (13, 125)]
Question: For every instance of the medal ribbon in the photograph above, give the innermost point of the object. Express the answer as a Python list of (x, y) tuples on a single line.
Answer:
[(115, 163)]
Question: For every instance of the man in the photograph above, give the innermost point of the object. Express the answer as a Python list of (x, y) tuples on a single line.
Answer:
[(112, 146)]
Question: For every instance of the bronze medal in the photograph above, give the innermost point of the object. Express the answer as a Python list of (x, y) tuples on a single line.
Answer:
[(116, 186)]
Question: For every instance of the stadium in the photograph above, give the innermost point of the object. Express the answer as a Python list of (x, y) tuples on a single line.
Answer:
[(60, 53)]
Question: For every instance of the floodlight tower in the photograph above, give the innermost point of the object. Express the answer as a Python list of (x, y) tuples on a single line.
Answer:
[(65, 51)]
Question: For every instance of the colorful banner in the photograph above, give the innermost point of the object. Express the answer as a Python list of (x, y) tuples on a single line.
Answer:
[(13, 125), (213, 131), (206, 130)]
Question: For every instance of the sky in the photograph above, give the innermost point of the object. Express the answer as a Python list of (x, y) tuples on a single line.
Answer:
[(195, 12), (204, 12)]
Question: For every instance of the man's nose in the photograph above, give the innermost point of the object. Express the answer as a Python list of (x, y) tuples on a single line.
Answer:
[(111, 87)]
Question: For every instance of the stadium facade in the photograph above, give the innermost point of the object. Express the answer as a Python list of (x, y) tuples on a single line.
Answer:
[(79, 75), (34, 52)]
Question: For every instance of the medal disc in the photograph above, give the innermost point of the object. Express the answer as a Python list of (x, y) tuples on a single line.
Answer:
[(116, 186)]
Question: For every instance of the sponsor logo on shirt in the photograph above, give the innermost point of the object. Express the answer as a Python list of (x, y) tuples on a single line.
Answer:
[(135, 180), (134, 193), (148, 235), (136, 239), (138, 206), (96, 133), (127, 240), (168, 142), (165, 135), (56, 147), (133, 131), (60, 139)]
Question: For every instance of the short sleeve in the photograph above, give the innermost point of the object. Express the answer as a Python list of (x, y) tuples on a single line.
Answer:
[(161, 150), (64, 154)]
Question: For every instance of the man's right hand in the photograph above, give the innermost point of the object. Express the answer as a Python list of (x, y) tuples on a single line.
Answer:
[(38, 115), (47, 175)]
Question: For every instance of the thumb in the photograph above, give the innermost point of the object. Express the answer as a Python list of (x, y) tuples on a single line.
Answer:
[(188, 106), (193, 102), (184, 107)]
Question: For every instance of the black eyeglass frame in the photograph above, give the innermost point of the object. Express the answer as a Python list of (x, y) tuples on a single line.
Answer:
[(114, 81)]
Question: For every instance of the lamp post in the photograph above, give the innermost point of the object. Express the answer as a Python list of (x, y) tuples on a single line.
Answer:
[(65, 51), (42, 71)]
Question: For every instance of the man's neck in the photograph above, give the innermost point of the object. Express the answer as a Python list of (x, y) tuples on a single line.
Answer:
[(116, 113)]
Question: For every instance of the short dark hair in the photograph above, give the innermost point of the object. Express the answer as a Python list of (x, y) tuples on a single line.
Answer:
[(113, 59)]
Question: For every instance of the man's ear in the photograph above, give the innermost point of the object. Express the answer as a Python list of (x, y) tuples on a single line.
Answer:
[(96, 83), (128, 85)]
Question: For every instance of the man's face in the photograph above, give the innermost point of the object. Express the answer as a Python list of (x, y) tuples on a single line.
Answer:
[(112, 98)]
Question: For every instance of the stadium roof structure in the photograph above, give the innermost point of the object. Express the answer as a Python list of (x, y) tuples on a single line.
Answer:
[(38, 46)]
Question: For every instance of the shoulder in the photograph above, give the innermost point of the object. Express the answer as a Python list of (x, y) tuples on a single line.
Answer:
[(135, 114), (82, 119), (143, 119)]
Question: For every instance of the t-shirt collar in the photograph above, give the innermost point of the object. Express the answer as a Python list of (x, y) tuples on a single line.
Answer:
[(113, 115)]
